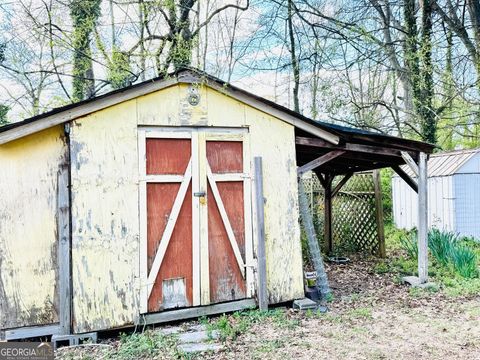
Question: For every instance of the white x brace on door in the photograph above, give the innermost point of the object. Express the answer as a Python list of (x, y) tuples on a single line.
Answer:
[(195, 217)]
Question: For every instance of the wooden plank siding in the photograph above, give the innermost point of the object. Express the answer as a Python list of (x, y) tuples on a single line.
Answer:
[(105, 213), (28, 229)]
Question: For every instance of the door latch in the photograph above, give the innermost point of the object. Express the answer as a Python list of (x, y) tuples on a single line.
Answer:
[(202, 196)]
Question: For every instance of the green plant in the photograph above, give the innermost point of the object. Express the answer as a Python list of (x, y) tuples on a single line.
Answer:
[(442, 245), (465, 261), (381, 268), (409, 244), (147, 344), (447, 250), (360, 313)]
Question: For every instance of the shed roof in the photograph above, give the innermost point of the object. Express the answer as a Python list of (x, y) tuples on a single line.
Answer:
[(446, 163), (332, 133)]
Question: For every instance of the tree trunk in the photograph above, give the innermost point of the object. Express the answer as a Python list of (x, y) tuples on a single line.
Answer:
[(295, 64), (425, 102), (84, 15)]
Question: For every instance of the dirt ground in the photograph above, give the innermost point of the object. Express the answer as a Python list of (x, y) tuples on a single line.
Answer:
[(372, 316)]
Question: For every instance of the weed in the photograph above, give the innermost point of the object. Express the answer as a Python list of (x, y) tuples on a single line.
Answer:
[(457, 286), (409, 244), (355, 297), (230, 327), (145, 344), (267, 346), (393, 237), (360, 313), (381, 268)]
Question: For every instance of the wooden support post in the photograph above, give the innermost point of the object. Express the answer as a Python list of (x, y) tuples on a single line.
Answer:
[(422, 218), (315, 254), (261, 252), (379, 213), (327, 225)]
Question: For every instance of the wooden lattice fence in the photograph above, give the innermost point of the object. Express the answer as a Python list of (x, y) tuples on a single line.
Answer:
[(354, 217)]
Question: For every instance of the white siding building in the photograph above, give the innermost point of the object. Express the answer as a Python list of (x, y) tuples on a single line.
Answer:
[(453, 194)]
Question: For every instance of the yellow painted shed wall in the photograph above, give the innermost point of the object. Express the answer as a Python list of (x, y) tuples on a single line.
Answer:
[(105, 229), (105, 199), (28, 228)]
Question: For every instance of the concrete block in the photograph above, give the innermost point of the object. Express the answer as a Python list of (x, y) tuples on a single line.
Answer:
[(304, 304), (414, 281), (197, 336)]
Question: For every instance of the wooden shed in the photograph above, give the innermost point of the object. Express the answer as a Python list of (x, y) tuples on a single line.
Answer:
[(139, 206)]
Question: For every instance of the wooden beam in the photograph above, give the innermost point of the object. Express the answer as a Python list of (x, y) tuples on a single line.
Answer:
[(422, 218), (379, 213), (410, 162), (369, 149), (194, 312), (407, 145), (320, 161), (327, 227), (411, 182), (32, 332), (320, 176), (261, 252), (341, 183)]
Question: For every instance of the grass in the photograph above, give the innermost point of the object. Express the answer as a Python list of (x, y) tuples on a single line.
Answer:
[(147, 344), (360, 313), (230, 327)]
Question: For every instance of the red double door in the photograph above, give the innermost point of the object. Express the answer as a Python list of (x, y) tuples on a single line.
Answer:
[(196, 227)]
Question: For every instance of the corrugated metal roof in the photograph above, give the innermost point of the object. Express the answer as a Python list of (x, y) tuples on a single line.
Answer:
[(445, 164)]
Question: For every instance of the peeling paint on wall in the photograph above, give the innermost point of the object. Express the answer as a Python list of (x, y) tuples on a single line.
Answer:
[(28, 229), (105, 230)]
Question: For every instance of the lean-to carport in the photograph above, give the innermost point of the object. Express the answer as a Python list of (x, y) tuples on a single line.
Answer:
[(359, 150)]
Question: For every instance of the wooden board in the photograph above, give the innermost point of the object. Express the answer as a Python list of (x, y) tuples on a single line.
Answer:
[(226, 280), (173, 284), (167, 156), (225, 156)]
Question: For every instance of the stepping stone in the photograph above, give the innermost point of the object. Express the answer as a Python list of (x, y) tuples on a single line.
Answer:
[(172, 330), (197, 337), (202, 347), (198, 327)]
